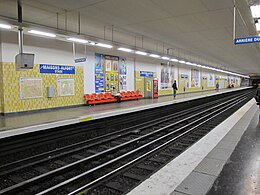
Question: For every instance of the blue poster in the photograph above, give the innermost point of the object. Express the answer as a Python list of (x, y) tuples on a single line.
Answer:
[(56, 69), (99, 73)]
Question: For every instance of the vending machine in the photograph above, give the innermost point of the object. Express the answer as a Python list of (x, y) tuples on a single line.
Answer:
[(155, 88)]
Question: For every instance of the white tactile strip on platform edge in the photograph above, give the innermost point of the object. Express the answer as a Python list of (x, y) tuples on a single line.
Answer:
[(170, 176)]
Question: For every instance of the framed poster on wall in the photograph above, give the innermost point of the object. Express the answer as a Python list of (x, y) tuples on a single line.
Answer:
[(30, 88), (65, 86)]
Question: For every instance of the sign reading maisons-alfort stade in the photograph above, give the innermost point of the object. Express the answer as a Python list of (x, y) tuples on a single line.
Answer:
[(56, 69), (246, 40)]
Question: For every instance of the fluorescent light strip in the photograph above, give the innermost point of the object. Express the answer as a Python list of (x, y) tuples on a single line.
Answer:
[(77, 40), (154, 56), (5, 26), (141, 53), (175, 60), (104, 45), (42, 33), (165, 58), (183, 62), (188, 63), (125, 49)]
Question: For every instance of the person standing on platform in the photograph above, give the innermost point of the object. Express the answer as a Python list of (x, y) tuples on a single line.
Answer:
[(175, 88), (257, 95), (217, 87)]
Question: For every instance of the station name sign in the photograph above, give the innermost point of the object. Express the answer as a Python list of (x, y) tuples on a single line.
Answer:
[(246, 40), (146, 74), (56, 69)]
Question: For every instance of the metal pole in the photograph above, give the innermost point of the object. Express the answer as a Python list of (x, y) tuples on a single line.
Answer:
[(20, 29), (79, 22), (74, 50), (112, 33), (234, 20)]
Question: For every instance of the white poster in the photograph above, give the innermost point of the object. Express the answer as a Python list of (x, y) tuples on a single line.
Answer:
[(65, 86), (211, 80), (167, 76)]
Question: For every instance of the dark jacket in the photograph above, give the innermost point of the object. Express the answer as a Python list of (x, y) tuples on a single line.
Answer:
[(257, 95), (174, 86)]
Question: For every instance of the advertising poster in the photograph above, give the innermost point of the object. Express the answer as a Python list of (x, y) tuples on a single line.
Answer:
[(195, 78), (167, 76), (108, 65), (184, 82), (99, 73), (111, 72), (122, 75), (204, 81), (211, 80)]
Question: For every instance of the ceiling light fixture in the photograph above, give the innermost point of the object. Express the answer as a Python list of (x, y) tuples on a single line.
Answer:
[(165, 58), (91, 43), (125, 49), (188, 63), (37, 32), (104, 45), (77, 40), (141, 53), (174, 60), (182, 61), (5, 26), (154, 56)]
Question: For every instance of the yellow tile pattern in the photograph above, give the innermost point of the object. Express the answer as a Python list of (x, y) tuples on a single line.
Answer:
[(1, 88), (11, 89)]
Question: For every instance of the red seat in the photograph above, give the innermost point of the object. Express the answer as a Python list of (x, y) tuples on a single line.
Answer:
[(95, 97), (134, 94), (89, 99), (129, 94), (123, 94), (138, 94), (108, 95), (102, 97)]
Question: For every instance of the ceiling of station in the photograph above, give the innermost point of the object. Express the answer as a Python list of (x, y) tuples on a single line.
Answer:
[(203, 27)]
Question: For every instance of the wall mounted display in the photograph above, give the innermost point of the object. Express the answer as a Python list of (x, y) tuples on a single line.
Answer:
[(30, 88), (167, 76), (99, 73), (106, 72), (195, 78), (211, 80), (204, 82), (111, 72), (56, 69), (184, 82), (122, 75), (65, 86)]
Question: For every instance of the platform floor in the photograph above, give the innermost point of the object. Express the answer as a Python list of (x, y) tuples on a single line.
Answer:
[(195, 170), (20, 120), (241, 174)]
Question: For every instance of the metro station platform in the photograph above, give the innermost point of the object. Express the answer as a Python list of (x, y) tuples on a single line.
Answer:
[(21, 123), (225, 161)]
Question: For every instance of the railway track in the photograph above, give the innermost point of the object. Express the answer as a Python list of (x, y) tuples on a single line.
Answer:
[(116, 162)]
